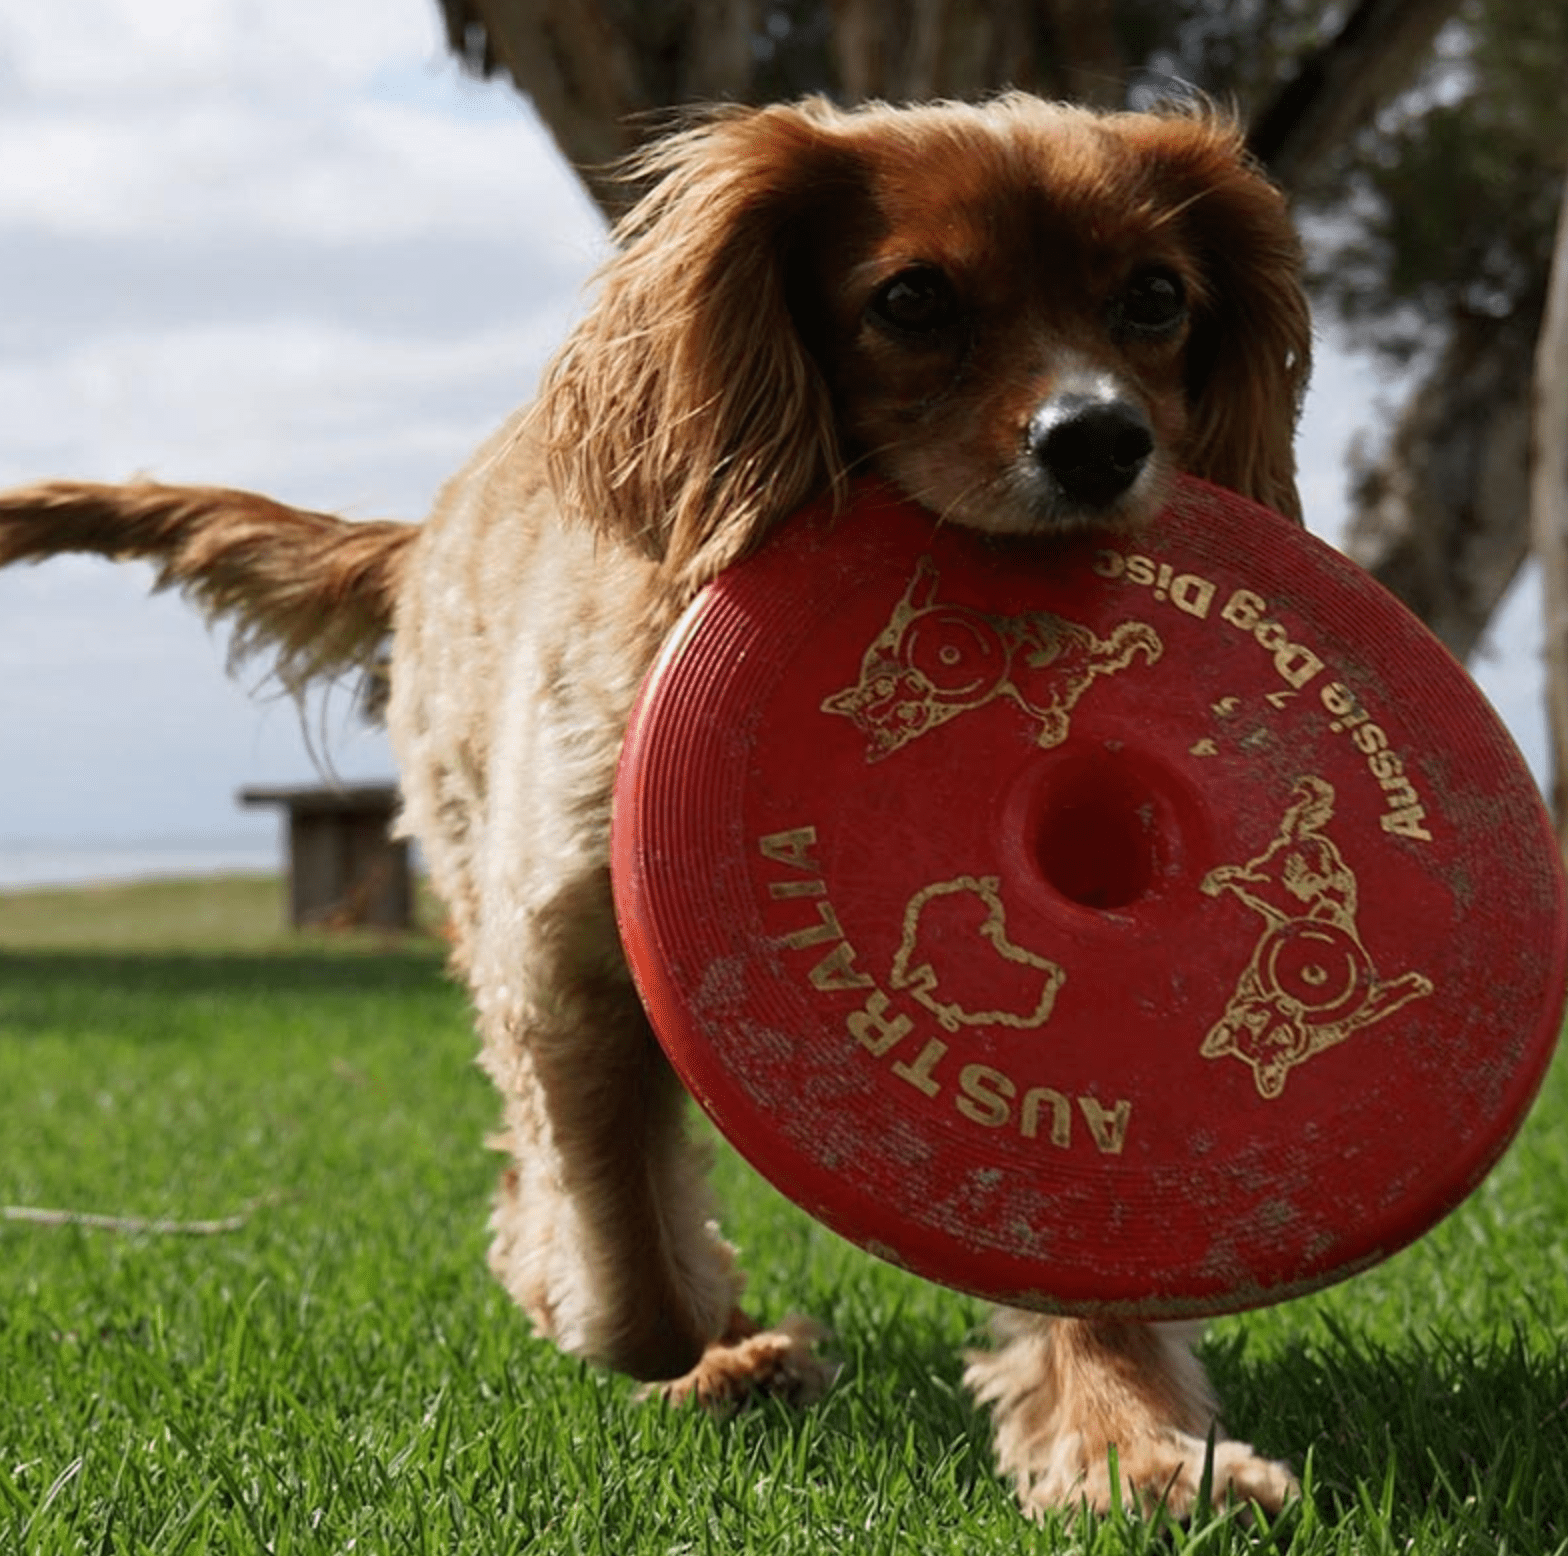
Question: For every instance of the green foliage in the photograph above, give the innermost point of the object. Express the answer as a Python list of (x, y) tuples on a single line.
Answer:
[(1445, 205), (341, 1372), (1453, 195)]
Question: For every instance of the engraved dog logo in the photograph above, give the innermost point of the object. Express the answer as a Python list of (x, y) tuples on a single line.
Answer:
[(1311, 982), (934, 661)]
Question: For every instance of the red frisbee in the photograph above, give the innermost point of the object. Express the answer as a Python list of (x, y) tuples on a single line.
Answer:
[(1156, 926)]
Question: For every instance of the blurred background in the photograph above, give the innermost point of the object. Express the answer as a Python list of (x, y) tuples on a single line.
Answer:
[(321, 249)]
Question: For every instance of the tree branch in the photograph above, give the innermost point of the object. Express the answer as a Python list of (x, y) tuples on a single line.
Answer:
[(1440, 519), (915, 50), (34, 1215), (1337, 88), (579, 61), (1549, 507)]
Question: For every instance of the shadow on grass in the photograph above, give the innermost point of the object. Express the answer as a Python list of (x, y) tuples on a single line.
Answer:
[(1472, 1429), (217, 971), (1459, 1430)]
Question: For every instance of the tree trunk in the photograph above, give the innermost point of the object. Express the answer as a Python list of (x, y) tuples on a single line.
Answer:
[(1441, 518), (597, 71), (1549, 508), (1337, 88), (1090, 65), (914, 50)]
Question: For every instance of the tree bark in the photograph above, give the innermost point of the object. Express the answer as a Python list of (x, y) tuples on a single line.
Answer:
[(914, 50), (1337, 88), (599, 71), (1090, 65), (1549, 508), (1441, 518)]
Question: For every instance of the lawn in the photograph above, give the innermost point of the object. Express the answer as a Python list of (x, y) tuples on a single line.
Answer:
[(330, 1368)]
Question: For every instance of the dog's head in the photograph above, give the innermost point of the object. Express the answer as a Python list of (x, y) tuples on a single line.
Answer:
[(1025, 316)]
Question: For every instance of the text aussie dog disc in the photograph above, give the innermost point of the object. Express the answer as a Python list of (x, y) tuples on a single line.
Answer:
[(1158, 926)]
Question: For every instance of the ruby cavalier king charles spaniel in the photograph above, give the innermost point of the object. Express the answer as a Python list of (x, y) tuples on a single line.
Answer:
[(1025, 317)]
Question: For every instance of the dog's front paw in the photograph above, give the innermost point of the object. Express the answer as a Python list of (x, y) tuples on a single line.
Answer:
[(746, 1362), (1161, 1469), (1077, 1401)]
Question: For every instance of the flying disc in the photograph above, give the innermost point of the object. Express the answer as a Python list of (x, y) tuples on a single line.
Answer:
[(1154, 925)]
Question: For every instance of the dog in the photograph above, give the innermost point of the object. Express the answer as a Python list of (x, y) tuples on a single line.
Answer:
[(1025, 317)]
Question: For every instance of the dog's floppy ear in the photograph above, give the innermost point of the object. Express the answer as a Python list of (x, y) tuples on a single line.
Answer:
[(1251, 349), (684, 414)]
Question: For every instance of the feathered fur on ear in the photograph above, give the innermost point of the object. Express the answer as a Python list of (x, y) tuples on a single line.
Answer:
[(684, 413), (1251, 351)]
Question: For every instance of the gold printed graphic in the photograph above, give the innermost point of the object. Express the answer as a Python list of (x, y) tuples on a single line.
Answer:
[(937, 962), (933, 661), (1311, 982)]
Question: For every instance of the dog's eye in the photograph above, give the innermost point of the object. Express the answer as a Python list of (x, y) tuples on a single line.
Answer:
[(918, 301), (1155, 301)]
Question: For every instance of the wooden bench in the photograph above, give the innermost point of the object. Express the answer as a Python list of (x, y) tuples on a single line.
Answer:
[(345, 867)]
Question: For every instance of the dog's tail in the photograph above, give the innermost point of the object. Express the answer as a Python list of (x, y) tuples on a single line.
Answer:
[(314, 590)]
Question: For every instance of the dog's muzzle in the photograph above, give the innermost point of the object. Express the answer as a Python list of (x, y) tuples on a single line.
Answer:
[(1092, 445)]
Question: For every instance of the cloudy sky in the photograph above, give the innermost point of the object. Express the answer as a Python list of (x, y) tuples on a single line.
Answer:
[(283, 244)]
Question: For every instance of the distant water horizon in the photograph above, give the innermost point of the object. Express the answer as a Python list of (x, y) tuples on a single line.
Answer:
[(29, 865)]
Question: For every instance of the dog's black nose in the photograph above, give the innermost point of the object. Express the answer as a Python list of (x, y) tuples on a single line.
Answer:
[(1094, 449)]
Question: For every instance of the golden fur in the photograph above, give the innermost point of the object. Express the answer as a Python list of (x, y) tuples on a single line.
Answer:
[(1027, 317)]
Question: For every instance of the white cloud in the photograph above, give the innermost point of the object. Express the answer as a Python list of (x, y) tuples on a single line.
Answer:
[(121, 724), (275, 404), (262, 243), (280, 243), (134, 51), (1339, 405), (323, 173), (1351, 397), (323, 120), (269, 244), (1509, 667)]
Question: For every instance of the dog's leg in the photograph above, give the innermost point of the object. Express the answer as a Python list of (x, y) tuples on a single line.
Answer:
[(603, 1223), (519, 648), (1064, 1392)]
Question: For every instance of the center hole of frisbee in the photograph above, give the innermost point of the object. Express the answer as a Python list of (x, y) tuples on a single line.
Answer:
[(1096, 838)]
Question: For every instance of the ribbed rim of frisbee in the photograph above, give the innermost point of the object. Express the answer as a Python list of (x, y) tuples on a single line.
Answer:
[(684, 895)]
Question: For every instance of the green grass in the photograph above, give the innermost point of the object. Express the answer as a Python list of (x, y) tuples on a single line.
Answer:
[(214, 913), (223, 911), (341, 1372)]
